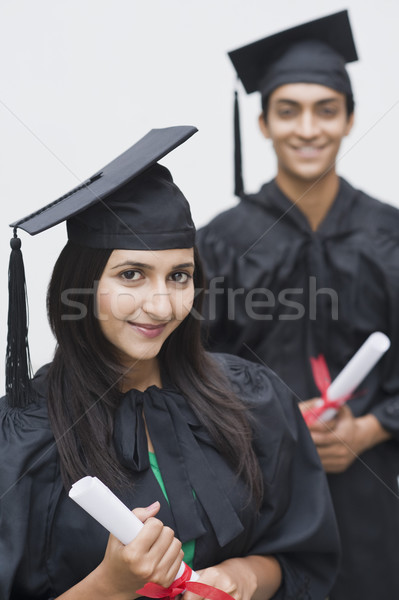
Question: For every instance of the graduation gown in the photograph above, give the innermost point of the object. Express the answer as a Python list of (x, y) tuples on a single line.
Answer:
[(283, 293), (48, 543)]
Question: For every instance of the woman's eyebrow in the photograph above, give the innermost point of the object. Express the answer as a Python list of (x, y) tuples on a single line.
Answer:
[(129, 263), (183, 265)]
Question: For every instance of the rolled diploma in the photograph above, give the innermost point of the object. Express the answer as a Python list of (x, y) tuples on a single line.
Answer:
[(102, 504), (356, 370)]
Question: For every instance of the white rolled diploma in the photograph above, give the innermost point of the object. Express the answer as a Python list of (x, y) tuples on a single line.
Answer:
[(102, 504), (356, 369)]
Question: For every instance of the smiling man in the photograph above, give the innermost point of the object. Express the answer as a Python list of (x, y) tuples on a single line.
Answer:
[(308, 266), (306, 123)]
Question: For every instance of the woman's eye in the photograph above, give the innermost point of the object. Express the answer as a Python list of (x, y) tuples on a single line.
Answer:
[(180, 277), (131, 275)]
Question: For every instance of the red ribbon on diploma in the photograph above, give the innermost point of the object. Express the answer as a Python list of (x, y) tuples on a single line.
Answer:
[(153, 590), (322, 378)]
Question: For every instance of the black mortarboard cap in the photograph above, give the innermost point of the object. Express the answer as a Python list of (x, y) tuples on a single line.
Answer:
[(314, 52), (282, 58), (131, 203)]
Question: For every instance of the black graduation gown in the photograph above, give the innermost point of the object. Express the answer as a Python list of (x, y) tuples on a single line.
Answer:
[(48, 543), (320, 292)]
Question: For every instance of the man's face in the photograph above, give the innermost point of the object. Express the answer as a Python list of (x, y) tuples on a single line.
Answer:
[(306, 123)]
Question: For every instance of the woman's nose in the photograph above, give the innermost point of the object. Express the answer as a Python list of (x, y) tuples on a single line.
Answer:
[(158, 304)]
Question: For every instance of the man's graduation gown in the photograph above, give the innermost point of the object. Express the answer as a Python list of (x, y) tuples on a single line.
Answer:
[(281, 293)]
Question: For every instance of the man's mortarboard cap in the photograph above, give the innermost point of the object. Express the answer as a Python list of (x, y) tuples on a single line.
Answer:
[(314, 52), (132, 203), (258, 64)]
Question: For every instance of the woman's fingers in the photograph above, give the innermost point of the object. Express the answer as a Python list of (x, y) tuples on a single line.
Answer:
[(155, 554), (166, 552), (170, 563), (149, 511)]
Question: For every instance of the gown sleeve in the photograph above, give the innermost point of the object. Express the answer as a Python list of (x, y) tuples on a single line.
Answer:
[(27, 474), (385, 405), (296, 522)]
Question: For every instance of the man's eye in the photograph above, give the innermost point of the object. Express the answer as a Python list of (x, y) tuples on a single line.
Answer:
[(328, 111), (285, 112)]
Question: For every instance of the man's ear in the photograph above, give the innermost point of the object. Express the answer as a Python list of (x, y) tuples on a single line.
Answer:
[(263, 126), (349, 124)]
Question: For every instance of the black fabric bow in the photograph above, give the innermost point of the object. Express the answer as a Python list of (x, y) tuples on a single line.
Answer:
[(184, 467)]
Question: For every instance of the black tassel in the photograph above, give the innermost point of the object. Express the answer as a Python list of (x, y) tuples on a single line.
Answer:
[(18, 365), (238, 179)]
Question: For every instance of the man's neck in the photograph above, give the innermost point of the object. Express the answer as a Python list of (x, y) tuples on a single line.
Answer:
[(313, 198)]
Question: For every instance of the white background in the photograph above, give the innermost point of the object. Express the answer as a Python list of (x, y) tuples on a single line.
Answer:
[(82, 80)]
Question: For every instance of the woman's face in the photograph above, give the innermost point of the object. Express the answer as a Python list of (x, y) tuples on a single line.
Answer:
[(143, 296)]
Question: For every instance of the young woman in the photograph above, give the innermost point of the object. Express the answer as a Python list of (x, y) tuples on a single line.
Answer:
[(211, 448)]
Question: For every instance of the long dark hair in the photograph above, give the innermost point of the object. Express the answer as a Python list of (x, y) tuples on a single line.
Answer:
[(84, 375)]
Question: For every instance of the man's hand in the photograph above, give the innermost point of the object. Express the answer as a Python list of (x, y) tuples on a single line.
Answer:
[(342, 439)]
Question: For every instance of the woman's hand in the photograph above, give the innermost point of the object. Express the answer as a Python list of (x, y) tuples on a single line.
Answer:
[(256, 577), (154, 555)]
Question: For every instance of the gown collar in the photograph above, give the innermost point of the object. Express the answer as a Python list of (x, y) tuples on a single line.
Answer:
[(183, 465), (337, 220)]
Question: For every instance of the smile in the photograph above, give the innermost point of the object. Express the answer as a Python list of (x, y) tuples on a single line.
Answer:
[(308, 151), (148, 331)]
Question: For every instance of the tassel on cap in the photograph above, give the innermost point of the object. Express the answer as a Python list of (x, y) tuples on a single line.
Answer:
[(18, 365), (238, 179)]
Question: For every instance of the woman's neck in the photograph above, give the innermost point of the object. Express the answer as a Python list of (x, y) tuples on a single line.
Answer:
[(141, 375), (313, 198)]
